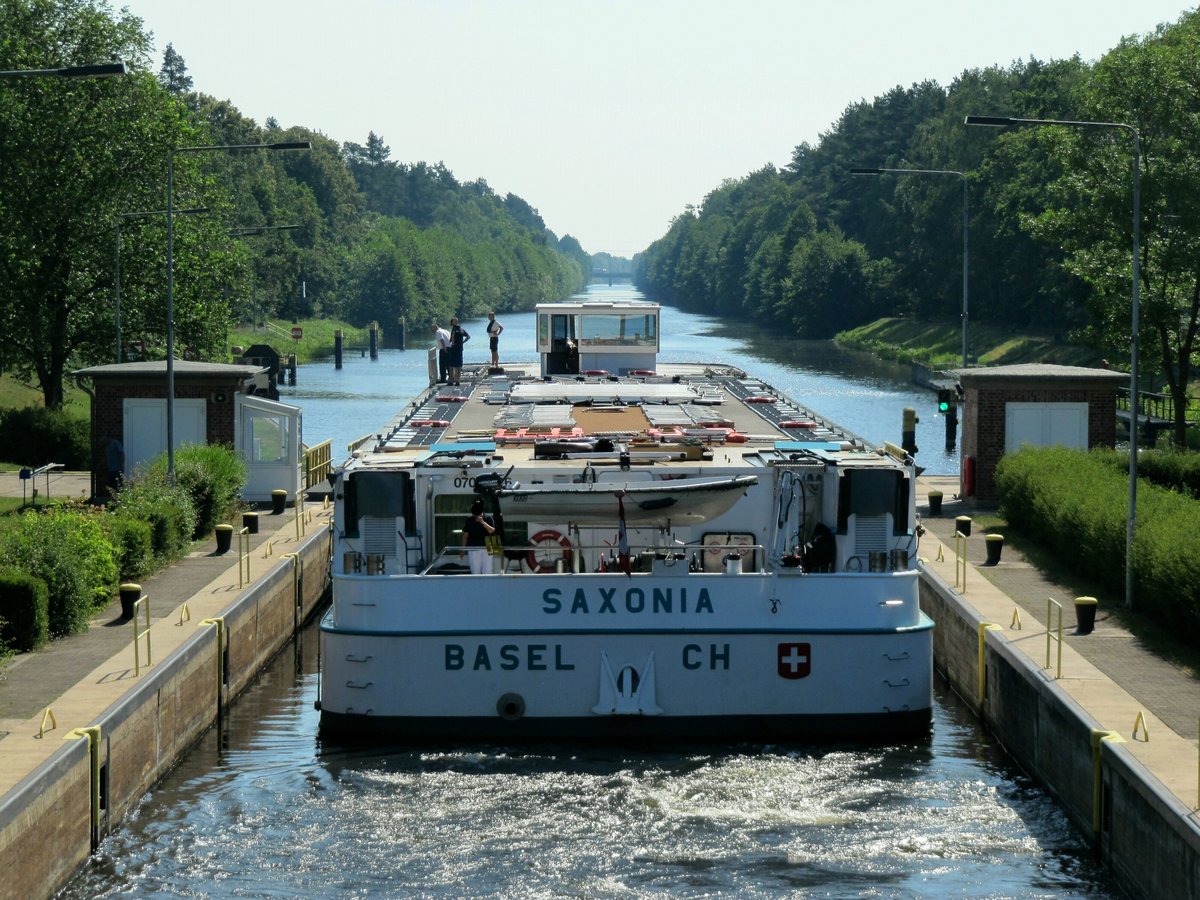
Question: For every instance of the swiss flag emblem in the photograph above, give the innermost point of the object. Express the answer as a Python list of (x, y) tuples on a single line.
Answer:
[(795, 660)]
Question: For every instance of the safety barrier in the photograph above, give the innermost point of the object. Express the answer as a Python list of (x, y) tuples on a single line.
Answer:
[(142, 603), (960, 561), (318, 463), (1053, 634), (243, 556)]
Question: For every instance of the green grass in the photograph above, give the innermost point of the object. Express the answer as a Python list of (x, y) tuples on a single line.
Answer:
[(939, 344)]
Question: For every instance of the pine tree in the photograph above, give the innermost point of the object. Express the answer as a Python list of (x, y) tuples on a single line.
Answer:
[(173, 75)]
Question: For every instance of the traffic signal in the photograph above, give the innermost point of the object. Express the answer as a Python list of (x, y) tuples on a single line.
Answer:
[(947, 400)]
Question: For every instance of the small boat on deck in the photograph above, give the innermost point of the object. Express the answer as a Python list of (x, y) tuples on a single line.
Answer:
[(682, 500), (674, 559)]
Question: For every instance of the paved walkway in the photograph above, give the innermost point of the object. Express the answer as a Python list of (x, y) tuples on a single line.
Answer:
[(79, 676), (1109, 672)]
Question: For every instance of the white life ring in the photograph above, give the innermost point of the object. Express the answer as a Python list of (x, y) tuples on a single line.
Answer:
[(548, 536)]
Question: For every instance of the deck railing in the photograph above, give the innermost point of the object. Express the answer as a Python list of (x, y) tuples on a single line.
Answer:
[(318, 463)]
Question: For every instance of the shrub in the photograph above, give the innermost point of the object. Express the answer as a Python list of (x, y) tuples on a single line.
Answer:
[(212, 475), (132, 543), (34, 435), (69, 552), (1077, 503), (166, 508), (1176, 470), (24, 611)]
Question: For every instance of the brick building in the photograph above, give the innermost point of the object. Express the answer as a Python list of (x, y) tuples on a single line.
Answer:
[(1006, 407), (129, 405)]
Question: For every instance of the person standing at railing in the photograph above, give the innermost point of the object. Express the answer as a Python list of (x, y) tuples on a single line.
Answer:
[(476, 530)]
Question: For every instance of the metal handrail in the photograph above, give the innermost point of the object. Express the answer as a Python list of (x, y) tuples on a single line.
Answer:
[(1053, 605), (142, 603)]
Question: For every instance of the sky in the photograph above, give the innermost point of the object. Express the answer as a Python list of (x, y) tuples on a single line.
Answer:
[(609, 117)]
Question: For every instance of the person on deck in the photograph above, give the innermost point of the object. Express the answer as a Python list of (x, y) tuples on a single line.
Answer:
[(493, 329), (441, 337), (458, 337), (476, 529)]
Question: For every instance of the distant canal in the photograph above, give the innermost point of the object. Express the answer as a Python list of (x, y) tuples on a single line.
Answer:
[(856, 390), (268, 810)]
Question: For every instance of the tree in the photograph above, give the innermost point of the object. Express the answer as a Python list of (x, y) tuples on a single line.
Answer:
[(1150, 84), (173, 75), (77, 153)]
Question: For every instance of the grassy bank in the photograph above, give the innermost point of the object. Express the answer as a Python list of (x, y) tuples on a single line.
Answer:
[(939, 344)]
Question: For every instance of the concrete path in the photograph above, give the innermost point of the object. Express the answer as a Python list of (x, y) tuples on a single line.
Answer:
[(78, 677), (1108, 672)]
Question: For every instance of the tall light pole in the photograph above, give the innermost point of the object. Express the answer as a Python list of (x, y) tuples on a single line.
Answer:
[(203, 148), (121, 218), (1006, 122), (966, 218)]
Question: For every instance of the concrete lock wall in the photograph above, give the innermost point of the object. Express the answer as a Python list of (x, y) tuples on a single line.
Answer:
[(1149, 839), (45, 822)]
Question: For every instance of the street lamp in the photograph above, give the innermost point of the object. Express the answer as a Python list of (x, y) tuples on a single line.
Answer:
[(122, 217), (278, 145), (103, 70), (1131, 519), (250, 231), (965, 220)]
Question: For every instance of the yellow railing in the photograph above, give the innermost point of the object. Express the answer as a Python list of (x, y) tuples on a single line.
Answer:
[(92, 733), (318, 463), (218, 622), (1099, 736), (960, 561), (984, 628), (1054, 634), (243, 556), (142, 603)]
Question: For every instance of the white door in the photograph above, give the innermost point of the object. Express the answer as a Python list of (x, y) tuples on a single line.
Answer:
[(145, 434), (1045, 425)]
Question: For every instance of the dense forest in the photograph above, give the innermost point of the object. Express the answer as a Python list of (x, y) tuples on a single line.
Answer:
[(815, 250), (340, 230)]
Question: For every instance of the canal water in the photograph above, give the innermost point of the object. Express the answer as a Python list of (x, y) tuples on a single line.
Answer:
[(265, 809)]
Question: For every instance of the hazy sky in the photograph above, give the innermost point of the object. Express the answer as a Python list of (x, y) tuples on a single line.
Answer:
[(608, 116)]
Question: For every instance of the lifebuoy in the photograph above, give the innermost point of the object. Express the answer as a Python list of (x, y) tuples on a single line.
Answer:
[(596, 372), (644, 372), (430, 423), (547, 535)]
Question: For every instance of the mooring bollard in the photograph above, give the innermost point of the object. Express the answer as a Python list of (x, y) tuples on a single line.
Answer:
[(935, 503), (250, 522), (130, 594), (963, 525), (224, 538), (1085, 614), (995, 545), (278, 501)]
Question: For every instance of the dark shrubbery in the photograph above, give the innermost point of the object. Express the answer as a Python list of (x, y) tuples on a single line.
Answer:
[(68, 551), (1076, 503), (24, 611), (33, 435)]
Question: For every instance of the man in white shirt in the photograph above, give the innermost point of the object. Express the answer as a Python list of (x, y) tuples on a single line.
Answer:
[(442, 338)]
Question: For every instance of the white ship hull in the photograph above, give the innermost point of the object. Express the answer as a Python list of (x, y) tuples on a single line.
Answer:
[(756, 586)]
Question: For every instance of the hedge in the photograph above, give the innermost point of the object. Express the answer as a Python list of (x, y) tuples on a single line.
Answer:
[(1076, 503), (24, 611)]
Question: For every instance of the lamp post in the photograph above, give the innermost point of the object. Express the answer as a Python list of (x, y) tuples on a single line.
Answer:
[(966, 218), (103, 70), (1007, 122), (250, 231), (278, 145), (123, 217)]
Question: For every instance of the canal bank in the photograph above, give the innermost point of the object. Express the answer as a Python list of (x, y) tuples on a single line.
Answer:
[(1106, 727), (1146, 831), (96, 743)]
